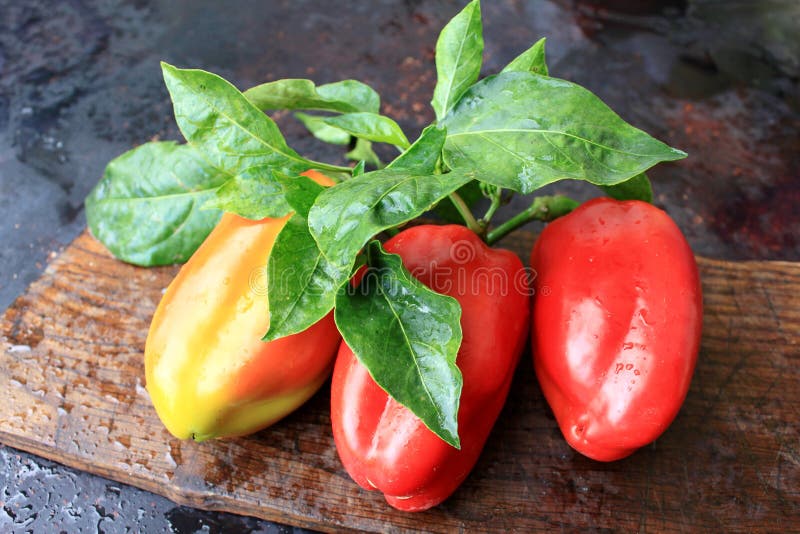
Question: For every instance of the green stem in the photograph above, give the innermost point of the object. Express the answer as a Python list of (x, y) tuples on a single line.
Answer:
[(371, 156), (328, 167), (376, 160), (546, 208), (492, 208), (465, 213)]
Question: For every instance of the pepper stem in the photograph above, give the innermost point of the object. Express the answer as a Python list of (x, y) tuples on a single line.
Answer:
[(495, 196), (466, 213), (545, 208)]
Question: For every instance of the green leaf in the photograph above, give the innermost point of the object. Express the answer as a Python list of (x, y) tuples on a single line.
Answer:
[(370, 126), (300, 192), (359, 168), (459, 52), (225, 127), (255, 195), (322, 131), (407, 336), (146, 208), (531, 60), (344, 218), (526, 131), (422, 156), (301, 284), (637, 188), (363, 152), (345, 96)]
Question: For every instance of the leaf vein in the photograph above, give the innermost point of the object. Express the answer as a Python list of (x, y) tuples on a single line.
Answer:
[(246, 130), (411, 350), (549, 132)]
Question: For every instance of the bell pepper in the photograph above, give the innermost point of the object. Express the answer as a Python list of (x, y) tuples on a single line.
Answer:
[(616, 324), (207, 370), (382, 444)]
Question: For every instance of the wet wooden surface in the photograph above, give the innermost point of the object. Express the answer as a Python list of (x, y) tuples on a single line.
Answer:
[(71, 389)]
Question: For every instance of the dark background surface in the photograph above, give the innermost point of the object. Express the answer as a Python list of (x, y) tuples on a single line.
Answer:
[(80, 83)]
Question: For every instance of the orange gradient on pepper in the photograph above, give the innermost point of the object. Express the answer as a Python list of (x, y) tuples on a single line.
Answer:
[(208, 372)]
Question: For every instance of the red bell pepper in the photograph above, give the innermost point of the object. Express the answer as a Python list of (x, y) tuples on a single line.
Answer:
[(381, 443), (616, 324)]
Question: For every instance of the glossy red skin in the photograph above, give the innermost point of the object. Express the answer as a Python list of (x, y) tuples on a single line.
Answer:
[(617, 317), (382, 444)]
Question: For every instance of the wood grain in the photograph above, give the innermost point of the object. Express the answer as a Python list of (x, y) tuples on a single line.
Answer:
[(71, 389)]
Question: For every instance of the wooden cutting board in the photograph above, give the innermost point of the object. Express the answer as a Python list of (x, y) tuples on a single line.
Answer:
[(71, 389)]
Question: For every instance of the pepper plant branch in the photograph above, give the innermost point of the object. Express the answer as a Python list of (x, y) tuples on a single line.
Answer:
[(545, 208), (465, 213), (329, 167), (495, 203), (375, 159)]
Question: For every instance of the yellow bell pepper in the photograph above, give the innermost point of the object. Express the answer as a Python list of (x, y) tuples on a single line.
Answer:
[(207, 370)]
